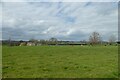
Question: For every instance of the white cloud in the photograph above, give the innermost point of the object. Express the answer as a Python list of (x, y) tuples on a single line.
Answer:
[(67, 21), (60, 0)]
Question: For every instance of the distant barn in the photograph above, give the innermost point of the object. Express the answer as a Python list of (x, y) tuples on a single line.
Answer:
[(30, 44)]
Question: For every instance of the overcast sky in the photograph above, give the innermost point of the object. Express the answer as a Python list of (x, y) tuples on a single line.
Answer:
[(62, 20)]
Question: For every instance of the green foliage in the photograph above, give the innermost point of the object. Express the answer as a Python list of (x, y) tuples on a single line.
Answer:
[(60, 62)]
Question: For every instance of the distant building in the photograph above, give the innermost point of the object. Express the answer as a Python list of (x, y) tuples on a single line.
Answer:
[(23, 44), (30, 44)]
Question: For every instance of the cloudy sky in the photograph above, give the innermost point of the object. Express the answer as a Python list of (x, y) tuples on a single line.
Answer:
[(62, 20)]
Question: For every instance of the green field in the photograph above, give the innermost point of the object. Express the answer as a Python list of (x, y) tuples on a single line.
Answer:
[(60, 62)]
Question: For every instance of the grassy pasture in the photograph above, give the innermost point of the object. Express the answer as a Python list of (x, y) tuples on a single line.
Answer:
[(60, 62)]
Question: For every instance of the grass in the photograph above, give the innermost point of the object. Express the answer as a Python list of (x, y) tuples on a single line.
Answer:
[(60, 62)]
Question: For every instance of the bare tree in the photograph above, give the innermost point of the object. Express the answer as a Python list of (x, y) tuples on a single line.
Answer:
[(42, 41), (10, 41), (112, 39), (33, 41), (95, 38), (53, 40)]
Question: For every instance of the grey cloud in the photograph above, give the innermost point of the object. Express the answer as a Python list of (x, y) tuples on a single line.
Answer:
[(65, 21)]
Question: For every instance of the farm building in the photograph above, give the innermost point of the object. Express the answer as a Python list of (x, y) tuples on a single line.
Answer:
[(30, 44)]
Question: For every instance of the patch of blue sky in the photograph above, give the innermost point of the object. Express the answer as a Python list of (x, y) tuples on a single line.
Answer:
[(59, 5), (70, 20), (41, 4), (66, 18), (87, 4)]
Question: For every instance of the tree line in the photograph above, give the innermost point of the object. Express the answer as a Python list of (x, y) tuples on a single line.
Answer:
[(94, 39)]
